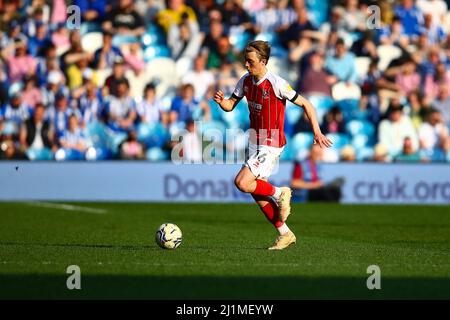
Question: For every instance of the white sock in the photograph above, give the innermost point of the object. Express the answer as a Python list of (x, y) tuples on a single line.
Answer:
[(277, 193), (283, 229)]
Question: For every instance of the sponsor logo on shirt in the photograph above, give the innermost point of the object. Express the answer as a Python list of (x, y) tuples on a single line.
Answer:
[(255, 106)]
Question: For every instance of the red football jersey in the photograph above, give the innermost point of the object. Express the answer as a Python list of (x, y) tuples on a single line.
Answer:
[(266, 103)]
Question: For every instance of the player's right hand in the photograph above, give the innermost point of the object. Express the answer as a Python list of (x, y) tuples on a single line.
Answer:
[(219, 96)]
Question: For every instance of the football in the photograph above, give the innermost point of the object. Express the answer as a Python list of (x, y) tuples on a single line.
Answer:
[(169, 236)]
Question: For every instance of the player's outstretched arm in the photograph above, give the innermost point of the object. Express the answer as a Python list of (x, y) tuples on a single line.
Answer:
[(319, 138), (226, 104)]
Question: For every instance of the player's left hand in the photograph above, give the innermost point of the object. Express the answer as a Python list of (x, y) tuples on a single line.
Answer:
[(322, 140)]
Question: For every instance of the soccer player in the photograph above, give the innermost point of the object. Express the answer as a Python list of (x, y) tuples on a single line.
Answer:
[(266, 95)]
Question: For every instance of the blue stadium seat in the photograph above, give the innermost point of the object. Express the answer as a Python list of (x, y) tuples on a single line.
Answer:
[(153, 134), (115, 138), (153, 36), (238, 118), (287, 154), (119, 40), (322, 104), (156, 154), (40, 154), (360, 141), (293, 113), (339, 140), (156, 51), (97, 133), (300, 145), (213, 125), (355, 127), (349, 108), (364, 154)]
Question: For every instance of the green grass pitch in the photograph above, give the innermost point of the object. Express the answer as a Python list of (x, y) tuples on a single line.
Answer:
[(223, 254)]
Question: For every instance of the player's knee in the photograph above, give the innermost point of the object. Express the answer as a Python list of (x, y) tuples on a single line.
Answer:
[(241, 184)]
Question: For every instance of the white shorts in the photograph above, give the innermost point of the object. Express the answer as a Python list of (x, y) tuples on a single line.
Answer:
[(262, 160)]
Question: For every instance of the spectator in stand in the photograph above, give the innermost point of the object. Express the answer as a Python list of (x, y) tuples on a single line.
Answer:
[(124, 20), (38, 43), (433, 137), (89, 102), (393, 130), (394, 34), (92, 13), (268, 19), (134, 59), (118, 75), (381, 154), (199, 77), (234, 16), (307, 181), (226, 78), (354, 18), (316, 80), (105, 56), (348, 154), (55, 85), (223, 53), (31, 95), (61, 37), (21, 63), (442, 103), (77, 71), (122, 109), (13, 114), (411, 17), (9, 151), (184, 39), (131, 148), (185, 106), (59, 113), (432, 82), (299, 36), (36, 133), (150, 109), (192, 144), (333, 121), (75, 52), (434, 32), (342, 64), (408, 80), (408, 154), (174, 14), (73, 141), (437, 9)]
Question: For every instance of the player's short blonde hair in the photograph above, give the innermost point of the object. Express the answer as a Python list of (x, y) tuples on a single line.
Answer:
[(262, 49)]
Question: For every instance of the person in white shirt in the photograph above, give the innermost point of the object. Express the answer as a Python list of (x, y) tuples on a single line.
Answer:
[(393, 130), (433, 134), (200, 78)]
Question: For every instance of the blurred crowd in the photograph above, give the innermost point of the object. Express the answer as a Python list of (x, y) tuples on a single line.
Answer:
[(124, 77)]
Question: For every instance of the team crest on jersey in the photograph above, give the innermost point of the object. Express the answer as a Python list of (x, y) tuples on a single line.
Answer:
[(265, 94)]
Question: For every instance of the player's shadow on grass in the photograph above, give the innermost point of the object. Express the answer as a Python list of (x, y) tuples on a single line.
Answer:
[(44, 286), (81, 246)]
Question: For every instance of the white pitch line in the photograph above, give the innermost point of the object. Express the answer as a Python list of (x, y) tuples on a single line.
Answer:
[(64, 206)]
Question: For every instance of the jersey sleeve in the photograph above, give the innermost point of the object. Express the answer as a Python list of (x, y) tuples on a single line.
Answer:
[(284, 90), (239, 90)]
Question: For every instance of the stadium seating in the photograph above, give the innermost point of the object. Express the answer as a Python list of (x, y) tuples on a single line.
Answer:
[(386, 54), (300, 145), (92, 41)]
